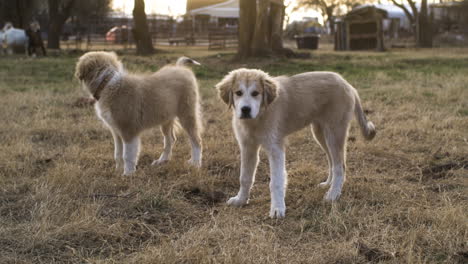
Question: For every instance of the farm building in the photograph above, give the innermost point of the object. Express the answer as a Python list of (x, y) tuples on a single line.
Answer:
[(361, 29), (451, 16)]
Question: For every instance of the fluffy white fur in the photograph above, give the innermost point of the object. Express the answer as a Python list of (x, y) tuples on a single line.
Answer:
[(129, 104), (266, 110)]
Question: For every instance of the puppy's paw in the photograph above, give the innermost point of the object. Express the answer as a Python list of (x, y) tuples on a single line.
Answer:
[(237, 202), (128, 172), (323, 184), (332, 195), (118, 166), (277, 211), (159, 162), (195, 163)]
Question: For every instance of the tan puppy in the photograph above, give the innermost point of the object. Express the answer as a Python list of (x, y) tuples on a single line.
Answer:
[(129, 103), (268, 109)]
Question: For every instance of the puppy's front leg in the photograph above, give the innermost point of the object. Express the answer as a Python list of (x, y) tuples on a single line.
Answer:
[(249, 162), (131, 150), (278, 181)]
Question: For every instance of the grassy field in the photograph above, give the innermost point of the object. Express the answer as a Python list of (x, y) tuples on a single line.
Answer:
[(405, 200)]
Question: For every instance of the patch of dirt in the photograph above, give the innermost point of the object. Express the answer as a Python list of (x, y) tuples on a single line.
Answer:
[(207, 197), (373, 254), (461, 257), (443, 169), (42, 165)]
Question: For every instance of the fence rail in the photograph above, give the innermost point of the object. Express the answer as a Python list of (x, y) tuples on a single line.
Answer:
[(212, 40)]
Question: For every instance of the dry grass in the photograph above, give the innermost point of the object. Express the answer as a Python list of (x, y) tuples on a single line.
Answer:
[(405, 200)]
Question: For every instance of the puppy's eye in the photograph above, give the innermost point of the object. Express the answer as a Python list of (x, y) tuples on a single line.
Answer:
[(239, 93), (254, 93)]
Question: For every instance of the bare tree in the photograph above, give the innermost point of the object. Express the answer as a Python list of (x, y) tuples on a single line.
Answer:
[(140, 31), (87, 9), (330, 8), (18, 12), (260, 27), (420, 20), (59, 12), (247, 14)]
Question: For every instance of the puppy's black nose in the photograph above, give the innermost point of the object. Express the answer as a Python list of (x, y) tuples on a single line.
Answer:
[(245, 110)]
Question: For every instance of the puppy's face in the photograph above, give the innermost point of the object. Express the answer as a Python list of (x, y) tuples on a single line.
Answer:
[(247, 98), (248, 91), (93, 66)]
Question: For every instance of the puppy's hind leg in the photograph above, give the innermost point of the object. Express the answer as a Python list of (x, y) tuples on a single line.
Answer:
[(118, 150), (320, 138), (131, 149), (169, 139), (192, 125), (336, 142)]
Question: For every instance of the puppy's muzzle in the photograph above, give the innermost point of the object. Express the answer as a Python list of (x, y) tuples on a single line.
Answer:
[(245, 112)]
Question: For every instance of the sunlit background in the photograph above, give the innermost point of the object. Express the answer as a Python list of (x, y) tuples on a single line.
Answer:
[(177, 8), (172, 8)]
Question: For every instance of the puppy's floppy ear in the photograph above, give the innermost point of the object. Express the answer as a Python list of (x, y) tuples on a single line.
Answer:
[(270, 90), (225, 89), (79, 69)]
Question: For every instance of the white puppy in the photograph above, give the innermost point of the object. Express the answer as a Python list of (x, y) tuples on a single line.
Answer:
[(268, 109), (129, 103)]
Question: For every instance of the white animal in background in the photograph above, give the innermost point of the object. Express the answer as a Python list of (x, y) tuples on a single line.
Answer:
[(266, 110), (15, 39), (2, 38)]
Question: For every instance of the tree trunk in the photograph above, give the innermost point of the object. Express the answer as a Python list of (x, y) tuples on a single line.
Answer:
[(24, 13), (18, 12), (424, 32), (276, 21), (140, 32), (247, 17), (53, 37), (408, 14), (260, 45), (261, 28), (330, 18), (56, 21)]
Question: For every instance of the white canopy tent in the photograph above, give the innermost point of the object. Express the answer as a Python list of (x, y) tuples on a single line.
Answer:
[(228, 9)]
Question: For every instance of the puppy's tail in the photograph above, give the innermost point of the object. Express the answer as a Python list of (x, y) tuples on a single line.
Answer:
[(367, 127), (185, 60)]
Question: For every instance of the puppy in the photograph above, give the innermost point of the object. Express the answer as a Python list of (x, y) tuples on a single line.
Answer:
[(129, 103), (266, 110)]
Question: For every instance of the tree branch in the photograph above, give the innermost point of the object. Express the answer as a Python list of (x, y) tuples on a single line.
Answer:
[(66, 10), (407, 12)]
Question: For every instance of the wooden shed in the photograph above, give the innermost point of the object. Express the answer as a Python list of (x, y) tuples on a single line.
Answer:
[(361, 29)]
